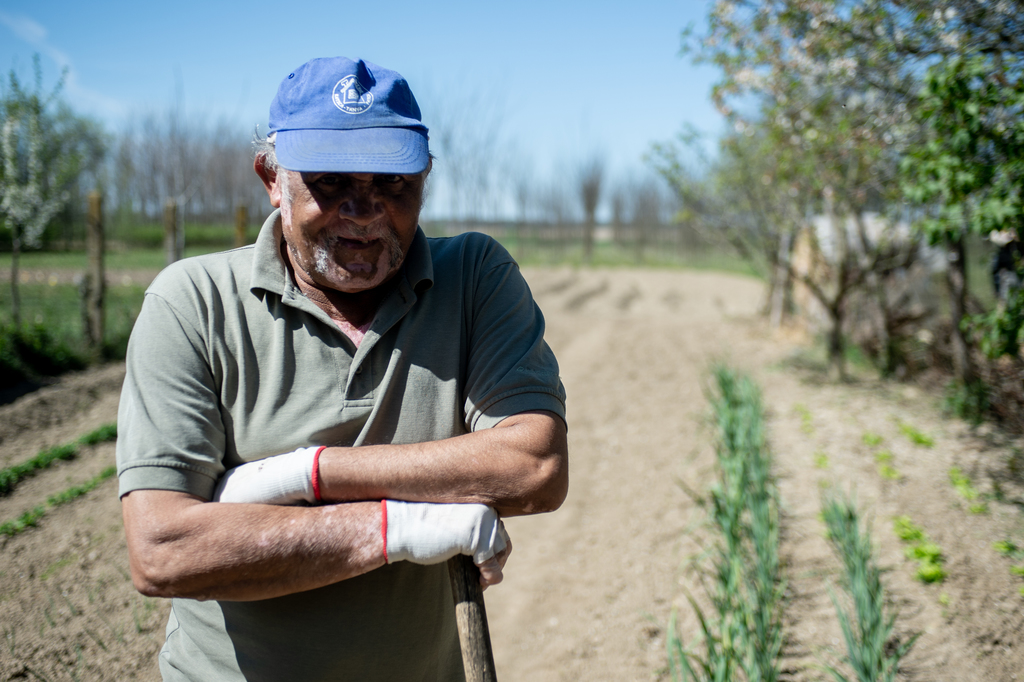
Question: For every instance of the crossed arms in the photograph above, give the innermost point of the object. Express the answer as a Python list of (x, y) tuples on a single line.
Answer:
[(180, 545)]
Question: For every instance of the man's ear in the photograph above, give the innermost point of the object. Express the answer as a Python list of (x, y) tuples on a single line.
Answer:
[(271, 179)]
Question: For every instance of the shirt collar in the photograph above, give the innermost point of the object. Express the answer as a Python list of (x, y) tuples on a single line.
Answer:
[(268, 269), (419, 266), (269, 272)]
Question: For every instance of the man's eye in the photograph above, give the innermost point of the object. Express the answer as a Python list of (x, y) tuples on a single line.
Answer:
[(389, 179)]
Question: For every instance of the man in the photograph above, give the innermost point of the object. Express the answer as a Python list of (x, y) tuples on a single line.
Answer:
[(420, 365)]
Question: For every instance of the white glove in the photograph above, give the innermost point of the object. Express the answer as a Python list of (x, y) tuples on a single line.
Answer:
[(282, 479), (425, 533)]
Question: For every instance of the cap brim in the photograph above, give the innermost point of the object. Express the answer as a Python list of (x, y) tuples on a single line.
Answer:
[(359, 150)]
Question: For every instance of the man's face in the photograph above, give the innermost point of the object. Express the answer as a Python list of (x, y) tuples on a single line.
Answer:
[(347, 231)]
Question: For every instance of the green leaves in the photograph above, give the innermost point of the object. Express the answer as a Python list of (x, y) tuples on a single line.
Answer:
[(922, 549), (10, 476), (32, 516), (906, 530), (969, 171), (872, 650), (742, 638), (916, 436)]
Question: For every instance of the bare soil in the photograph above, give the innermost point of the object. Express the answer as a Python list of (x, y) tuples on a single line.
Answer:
[(590, 588)]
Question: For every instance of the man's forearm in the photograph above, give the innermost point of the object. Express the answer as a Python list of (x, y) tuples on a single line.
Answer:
[(518, 467), (182, 546)]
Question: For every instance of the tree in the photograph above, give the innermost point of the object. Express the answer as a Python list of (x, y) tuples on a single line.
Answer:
[(968, 52), (813, 136), (468, 135), (44, 148), (969, 171), (589, 178), (727, 199), (646, 208)]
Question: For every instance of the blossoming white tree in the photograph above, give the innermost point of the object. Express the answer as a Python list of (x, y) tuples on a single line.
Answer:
[(42, 152)]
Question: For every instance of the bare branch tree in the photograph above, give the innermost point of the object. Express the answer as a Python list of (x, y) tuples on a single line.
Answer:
[(466, 133), (589, 177)]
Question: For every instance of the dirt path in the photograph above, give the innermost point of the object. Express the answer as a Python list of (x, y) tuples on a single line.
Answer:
[(590, 588)]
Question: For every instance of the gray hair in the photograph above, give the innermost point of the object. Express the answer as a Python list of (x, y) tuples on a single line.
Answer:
[(264, 147)]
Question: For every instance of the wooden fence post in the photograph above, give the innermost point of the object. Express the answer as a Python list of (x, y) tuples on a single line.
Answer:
[(95, 277), (171, 230), (639, 241), (241, 224)]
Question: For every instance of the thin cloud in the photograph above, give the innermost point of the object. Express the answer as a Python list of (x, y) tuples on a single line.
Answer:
[(25, 28), (35, 34)]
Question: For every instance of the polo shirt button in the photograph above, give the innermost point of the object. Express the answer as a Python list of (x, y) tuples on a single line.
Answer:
[(359, 369)]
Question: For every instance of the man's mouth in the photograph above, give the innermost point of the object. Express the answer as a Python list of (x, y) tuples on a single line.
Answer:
[(356, 244)]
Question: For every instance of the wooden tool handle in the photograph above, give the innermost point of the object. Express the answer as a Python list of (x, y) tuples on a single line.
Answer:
[(471, 617)]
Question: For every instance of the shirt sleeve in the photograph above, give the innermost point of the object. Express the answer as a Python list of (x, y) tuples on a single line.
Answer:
[(171, 435), (510, 368)]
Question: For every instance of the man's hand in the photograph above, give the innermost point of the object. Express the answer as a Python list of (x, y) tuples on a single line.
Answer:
[(283, 479), (491, 570), (425, 533), (422, 533), (518, 467), (180, 545)]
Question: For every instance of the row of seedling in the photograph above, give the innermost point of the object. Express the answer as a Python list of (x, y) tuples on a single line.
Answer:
[(1009, 549), (867, 620), (884, 457), (12, 475), (31, 517), (965, 489), (921, 549), (741, 633)]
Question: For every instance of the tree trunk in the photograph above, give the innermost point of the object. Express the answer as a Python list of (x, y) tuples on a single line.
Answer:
[(956, 281), (241, 226), (836, 356), (588, 241), (15, 294), (171, 231), (94, 282), (781, 284), (639, 242), (886, 344)]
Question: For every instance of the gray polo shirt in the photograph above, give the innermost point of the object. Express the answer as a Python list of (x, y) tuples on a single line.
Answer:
[(229, 363)]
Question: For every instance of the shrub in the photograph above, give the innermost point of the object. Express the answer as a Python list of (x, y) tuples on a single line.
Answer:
[(30, 351), (970, 402)]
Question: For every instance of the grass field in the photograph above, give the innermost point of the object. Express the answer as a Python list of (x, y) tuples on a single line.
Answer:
[(58, 309), (48, 299)]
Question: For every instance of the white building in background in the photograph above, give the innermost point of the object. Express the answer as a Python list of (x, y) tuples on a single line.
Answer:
[(876, 228), (815, 254)]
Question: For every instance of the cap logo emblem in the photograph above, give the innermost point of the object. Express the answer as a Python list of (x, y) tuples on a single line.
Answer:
[(350, 96)]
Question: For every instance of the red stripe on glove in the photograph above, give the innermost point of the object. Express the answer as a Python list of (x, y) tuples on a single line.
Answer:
[(384, 528), (316, 473)]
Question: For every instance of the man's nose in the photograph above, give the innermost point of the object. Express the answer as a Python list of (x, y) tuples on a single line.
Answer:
[(362, 205)]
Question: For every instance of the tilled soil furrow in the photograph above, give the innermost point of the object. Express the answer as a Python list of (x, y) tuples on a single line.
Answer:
[(978, 602), (590, 588), (34, 490), (59, 414)]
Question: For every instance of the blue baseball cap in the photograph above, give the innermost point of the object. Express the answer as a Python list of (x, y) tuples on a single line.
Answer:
[(335, 115)]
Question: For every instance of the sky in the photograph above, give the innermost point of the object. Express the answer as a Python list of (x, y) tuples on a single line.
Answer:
[(560, 81)]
